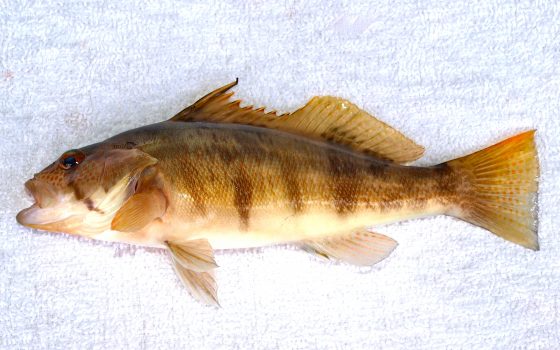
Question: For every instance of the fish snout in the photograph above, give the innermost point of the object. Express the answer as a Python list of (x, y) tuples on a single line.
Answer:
[(39, 192), (50, 211)]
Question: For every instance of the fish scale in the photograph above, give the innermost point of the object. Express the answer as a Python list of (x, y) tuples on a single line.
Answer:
[(221, 176), (323, 176)]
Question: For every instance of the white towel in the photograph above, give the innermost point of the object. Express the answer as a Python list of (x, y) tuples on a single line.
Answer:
[(453, 76)]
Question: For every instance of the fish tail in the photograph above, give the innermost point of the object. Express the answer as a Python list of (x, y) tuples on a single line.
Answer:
[(500, 189)]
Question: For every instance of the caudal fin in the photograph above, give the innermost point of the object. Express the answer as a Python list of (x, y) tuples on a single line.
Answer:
[(501, 194)]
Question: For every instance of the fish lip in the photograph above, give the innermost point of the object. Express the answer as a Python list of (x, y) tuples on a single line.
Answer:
[(42, 193), (25, 217), (31, 190), (37, 215), (39, 218)]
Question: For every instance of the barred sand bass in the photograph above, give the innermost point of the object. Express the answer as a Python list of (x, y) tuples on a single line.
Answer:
[(221, 176)]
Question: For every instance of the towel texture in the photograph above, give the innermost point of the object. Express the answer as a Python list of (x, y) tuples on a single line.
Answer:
[(453, 76)]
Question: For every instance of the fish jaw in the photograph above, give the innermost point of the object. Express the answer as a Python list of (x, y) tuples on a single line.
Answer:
[(68, 215), (53, 218), (52, 210), (44, 212), (41, 192)]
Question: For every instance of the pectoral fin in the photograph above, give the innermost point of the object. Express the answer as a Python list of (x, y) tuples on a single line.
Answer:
[(139, 210), (362, 248), (194, 263)]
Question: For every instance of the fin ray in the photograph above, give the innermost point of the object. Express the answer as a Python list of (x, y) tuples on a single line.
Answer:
[(201, 285), (324, 118), (194, 263), (139, 210), (362, 248), (503, 185), (196, 255)]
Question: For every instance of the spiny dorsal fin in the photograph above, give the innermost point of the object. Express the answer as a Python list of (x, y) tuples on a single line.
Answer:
[(324, 118), (362, 248)]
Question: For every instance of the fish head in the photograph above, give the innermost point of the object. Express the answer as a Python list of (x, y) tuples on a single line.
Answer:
[(81, 191)]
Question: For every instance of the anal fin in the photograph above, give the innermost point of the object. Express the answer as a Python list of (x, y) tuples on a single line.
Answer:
[(362, 248)]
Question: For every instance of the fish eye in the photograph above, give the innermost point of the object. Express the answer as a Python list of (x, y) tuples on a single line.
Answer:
[(71, 159)]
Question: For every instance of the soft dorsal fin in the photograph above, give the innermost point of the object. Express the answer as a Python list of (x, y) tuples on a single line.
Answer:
[(324, 118)]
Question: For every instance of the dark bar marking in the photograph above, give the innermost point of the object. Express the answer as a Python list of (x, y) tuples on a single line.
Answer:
[(243, 196), (193, 183), (91, 206), (344, 182), (293, 189)]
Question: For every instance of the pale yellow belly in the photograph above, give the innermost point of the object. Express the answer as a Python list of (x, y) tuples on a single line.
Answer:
[(284, 227), (269, 228)]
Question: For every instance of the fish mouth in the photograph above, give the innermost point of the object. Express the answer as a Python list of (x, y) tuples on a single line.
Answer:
[(43, 212), (49, 219), (31, 217), (42, 193)]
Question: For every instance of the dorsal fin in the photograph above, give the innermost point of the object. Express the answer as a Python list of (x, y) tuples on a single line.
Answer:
[(324, 118)]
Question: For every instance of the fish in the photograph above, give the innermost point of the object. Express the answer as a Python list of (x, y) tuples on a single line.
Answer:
[(221, 176)]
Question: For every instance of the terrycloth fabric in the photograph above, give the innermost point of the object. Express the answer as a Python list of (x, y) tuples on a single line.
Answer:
[(454, 76)]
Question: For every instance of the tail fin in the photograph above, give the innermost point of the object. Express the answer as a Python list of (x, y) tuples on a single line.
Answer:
[(502, 192)]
